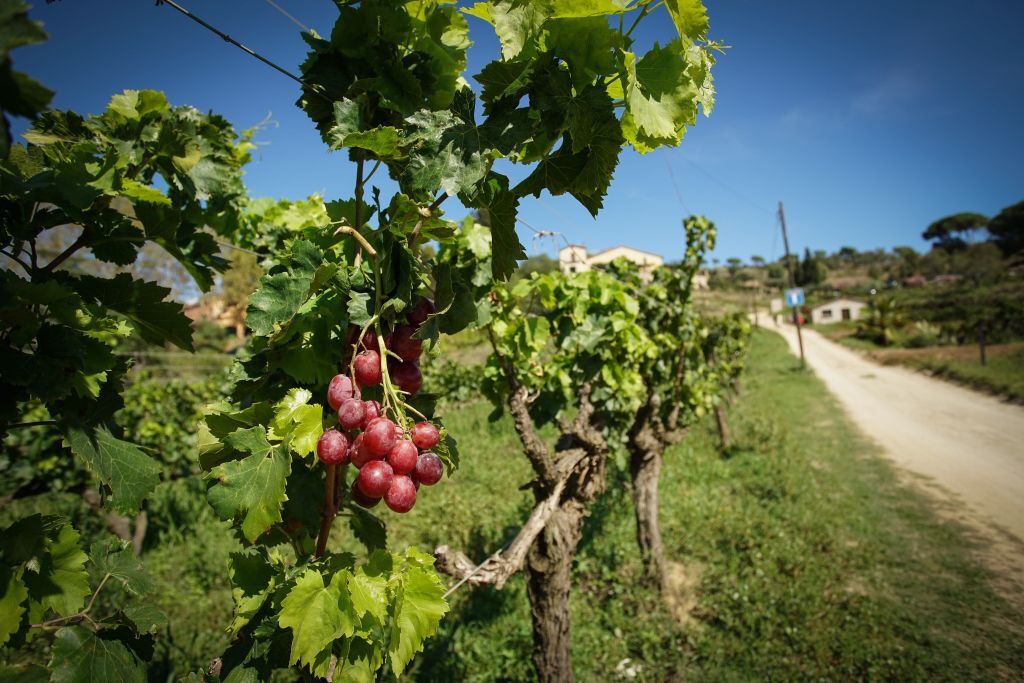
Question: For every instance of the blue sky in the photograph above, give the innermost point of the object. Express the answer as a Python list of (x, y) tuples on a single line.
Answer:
[(869, 120)]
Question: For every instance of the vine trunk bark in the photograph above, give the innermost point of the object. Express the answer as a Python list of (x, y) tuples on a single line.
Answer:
[(723, 426), (645, 467), (548, 585)]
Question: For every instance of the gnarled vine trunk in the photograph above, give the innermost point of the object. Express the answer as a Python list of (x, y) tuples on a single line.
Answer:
[(723, 426), (548, 585), (645, 468)]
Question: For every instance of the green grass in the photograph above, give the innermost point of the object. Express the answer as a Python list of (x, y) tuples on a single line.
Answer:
[(797, 556)]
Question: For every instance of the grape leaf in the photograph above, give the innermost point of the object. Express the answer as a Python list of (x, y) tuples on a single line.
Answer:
[(367, 528), (156, 320), (368, 586), (146, 618), (12, 601), (349, 130), (587, 44), (501, 204), (299, 421), (82, 656), (253, 487), (360, 662), (317, 614), (115, 557), (61, 581), (661, 98), (252, 579), (419, 606), (130, 473), (690, 18)]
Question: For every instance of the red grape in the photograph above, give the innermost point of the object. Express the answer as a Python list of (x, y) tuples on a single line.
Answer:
[(367, 368), (371, 411), (402, 457), (425, 435), (428, 469), (401, 495), (407, 376), (332, 448), (358, 453), (402, 343), (370, 340), (361, 498), (417, 315), (339, 390), (350, 413), (379, 436), (375, 478)]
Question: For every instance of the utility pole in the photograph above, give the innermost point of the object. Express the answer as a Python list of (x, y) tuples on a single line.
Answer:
[(792, 284)]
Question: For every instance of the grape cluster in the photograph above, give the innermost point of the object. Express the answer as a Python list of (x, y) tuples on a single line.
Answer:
[(392, 462)]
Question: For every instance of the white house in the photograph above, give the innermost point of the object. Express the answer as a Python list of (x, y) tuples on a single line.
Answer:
[(575, 259), (834, 311)]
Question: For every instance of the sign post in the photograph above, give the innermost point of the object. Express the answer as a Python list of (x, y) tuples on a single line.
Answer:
[(796, 291)]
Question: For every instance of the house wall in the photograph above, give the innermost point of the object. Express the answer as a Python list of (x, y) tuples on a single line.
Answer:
[(833, 311), (575, 259)]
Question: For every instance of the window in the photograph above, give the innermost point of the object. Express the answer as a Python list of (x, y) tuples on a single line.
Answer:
[(572, 269), (826, 313)]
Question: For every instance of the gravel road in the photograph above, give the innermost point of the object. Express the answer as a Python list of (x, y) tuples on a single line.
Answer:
[(969, 443)]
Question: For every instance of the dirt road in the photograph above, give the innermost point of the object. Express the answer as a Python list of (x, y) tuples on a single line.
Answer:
[(969, 443)]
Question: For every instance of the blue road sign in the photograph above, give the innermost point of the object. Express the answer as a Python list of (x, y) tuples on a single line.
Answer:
[(795, 297)]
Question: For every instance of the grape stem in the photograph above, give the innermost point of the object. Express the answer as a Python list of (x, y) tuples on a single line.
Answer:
[(328, 514)]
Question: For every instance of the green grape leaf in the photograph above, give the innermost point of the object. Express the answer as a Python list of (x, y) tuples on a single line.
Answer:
[(115, 557), (282, 294), (254, 487), (317, 614), (518, 24), (367, 528), (349, 130), (445, 151), (690, 18), (146, 618), (419, 606), (369, 586), (661, 98), (83, 656), (12, 602), (61, 581), (360, 662), (252, 579), (501, 205), (299, 421), (130, 473), (587, 44), (157, 321)]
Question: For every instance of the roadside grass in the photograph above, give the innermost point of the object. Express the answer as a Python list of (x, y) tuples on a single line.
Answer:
[(804, 557)]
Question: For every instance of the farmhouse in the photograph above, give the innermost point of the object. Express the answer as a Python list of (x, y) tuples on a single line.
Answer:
[(834, 311), (575, 259)]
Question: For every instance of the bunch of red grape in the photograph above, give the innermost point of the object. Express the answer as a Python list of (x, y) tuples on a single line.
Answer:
[(391, 463)]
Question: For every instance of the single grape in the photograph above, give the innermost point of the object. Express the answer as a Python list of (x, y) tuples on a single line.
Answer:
[(370, 340), (428, 469), (425, 435), (407, 377), (401, 495), (402, 343), (350, 413), (371, 411), (379, 436), (361, 498), (358, 453), (339, 390), (367, 368), (403, 456), (417, 315), (375, 478), (332, 448)]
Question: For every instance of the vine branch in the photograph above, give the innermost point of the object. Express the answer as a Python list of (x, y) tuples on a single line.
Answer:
[(329, 512)]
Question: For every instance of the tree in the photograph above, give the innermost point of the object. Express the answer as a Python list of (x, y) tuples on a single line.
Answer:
[(882, 320), (1007, 228), (952, 232), (757, 260), (538, 263), (734, 266)]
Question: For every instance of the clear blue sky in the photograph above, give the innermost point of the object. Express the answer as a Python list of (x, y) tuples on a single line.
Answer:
[(869, 119)]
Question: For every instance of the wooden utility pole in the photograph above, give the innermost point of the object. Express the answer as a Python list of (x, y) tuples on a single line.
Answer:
[(792, 284)]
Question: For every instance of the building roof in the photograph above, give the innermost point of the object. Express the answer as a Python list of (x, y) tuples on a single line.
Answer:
[(626, 246), (841, 299)]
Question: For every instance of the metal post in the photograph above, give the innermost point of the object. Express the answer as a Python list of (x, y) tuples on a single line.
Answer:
[(792, 284)]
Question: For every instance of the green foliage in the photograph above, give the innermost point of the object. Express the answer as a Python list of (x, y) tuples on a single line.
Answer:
[(551, 101), (20, 95), (949, 232), (881, 321), (1007, 227)]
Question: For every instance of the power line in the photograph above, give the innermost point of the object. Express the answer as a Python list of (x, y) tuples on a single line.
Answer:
[(295, 21), (225, 37), (679, 195), (728, 187)]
